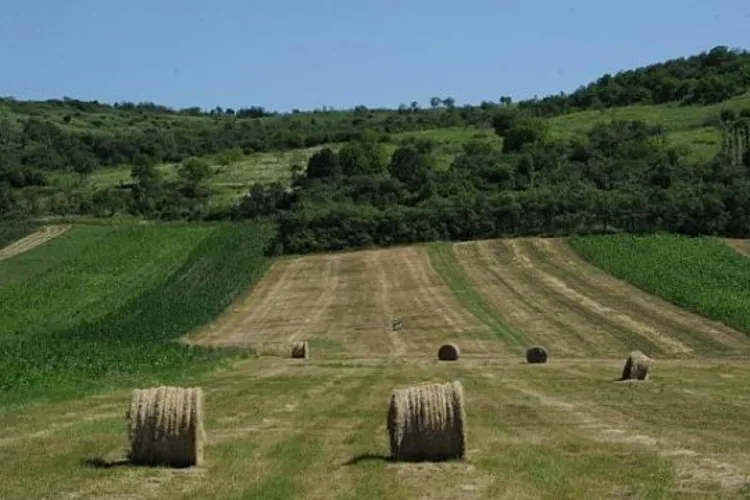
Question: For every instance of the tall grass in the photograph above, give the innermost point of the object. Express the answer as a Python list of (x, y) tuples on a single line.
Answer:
[(120, 327), (701, 274)]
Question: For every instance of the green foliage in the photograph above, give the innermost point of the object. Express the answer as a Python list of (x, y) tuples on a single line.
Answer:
[(736, 141), (194, 171), (524, 130), (702, 274), (109, 315), (706, 78), (12, 229), (324, 163)]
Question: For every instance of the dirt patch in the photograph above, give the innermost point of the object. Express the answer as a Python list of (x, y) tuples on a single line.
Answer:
[(31, 241), (350, 298)]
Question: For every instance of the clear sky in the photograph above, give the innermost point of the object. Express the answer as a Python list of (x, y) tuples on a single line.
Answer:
[(285, 54)]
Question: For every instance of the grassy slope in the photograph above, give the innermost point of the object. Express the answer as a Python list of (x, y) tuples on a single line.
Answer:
[(701, 274), (562, 430), (685, 126), (103, 307)]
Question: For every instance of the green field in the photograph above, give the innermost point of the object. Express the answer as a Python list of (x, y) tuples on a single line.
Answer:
[(702, 274), (95, 312), (101, 306)]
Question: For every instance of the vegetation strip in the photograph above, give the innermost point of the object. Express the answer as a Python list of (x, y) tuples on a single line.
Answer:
[(702, 274), (136, 341), (447, 266)]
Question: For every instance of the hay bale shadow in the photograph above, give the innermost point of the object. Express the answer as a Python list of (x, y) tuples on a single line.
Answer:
[(102, 463), (369, 457)]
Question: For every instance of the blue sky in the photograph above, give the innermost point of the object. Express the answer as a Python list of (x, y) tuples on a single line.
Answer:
[(287, 54)]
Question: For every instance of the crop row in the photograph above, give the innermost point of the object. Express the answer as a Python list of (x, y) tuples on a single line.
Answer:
[(701, 274), (110, 315)]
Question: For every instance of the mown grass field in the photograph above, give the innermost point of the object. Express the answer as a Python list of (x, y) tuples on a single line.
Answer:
[(280, 428)]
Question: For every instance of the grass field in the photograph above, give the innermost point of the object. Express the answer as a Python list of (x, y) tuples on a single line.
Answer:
[(99, 306), (280, 428)]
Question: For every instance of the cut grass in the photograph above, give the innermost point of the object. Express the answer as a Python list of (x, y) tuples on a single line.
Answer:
[(702, 274), (109, 316), (447, 266), (313, 431)]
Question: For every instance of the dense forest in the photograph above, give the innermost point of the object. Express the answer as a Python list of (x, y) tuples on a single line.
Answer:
[(617, 175)]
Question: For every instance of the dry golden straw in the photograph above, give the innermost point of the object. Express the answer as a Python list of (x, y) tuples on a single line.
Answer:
[(636, 367), (449, 352), (536, 354), (428, 422), (165, 426), (300, 350)]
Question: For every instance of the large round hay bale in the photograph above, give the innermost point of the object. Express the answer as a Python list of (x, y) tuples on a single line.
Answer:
[(165, 426), (636, 367), (449, 352), (300, 350), (536, 354), (428, 422)]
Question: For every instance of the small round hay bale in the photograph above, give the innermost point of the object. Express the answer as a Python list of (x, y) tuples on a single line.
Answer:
[(536, 354), (427, 422), (449, 352), (165, 426), (300, 350), (636, 367)]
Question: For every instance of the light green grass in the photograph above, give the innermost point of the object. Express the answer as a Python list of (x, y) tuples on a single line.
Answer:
[(702, 274), (281, 429)]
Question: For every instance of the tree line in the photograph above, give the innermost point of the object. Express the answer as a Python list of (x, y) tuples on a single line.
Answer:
[(622, 175)]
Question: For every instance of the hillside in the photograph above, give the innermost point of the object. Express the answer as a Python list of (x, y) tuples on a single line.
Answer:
[(666, 138), (279, 428)]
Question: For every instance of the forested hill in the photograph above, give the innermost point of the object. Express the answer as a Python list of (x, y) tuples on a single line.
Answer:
[(670, 153), (706, 78)]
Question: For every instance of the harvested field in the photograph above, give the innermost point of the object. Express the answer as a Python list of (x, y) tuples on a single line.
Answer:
[(550, 296), (33, 240), (740, 245), (568, 431), (346, 303)]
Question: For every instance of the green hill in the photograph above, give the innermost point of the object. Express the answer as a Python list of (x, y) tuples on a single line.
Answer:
[(569, 163)]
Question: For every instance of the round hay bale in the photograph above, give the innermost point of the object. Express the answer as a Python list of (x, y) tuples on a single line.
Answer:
[(536, 354), (449, 352), (428, 422), (300, 350), (165, 426), (636, 367)]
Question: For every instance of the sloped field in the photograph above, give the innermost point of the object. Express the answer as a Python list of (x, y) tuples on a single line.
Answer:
[(280, 428), (107, 304)]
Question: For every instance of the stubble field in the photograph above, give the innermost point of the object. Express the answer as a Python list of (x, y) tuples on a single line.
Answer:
[(283, 428)]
